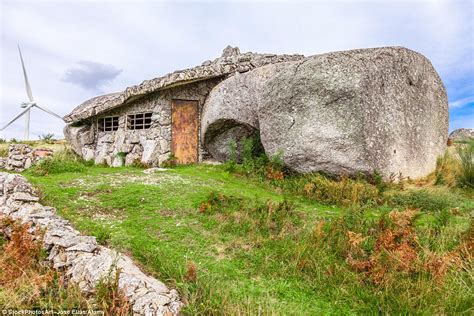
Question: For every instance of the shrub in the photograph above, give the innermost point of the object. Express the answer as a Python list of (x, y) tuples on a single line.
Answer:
[(110, 297), (466, 171), (122, 155), (230, 164), (61, 162), (47, 138), (170, 162)]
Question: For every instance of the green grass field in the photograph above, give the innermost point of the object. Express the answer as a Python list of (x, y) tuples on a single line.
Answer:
[(235, 244)]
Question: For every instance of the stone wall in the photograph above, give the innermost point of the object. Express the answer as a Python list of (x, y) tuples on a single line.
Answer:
[(80, 257), (21, 157), (149, 146)]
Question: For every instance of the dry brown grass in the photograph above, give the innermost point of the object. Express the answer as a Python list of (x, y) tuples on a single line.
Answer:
[(397, 251), (28, 282), (345, 191)]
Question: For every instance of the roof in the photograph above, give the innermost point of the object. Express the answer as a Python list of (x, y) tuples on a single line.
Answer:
[(230, 62)]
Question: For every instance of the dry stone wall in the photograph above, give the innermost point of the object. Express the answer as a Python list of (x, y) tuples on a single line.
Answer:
[(80, 257), (21, 157)]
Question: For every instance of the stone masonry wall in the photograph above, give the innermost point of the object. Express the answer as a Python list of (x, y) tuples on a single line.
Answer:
[(21, 157), (80, 257), (149, 146)]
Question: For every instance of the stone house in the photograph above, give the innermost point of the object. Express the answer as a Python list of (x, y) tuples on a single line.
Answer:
[(377, 109), (148, 122)]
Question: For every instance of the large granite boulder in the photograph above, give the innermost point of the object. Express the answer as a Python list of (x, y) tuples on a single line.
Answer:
[(78, 136), (381, 109)]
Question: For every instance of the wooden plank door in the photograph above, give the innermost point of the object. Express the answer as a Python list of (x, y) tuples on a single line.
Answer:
[(184, 131)]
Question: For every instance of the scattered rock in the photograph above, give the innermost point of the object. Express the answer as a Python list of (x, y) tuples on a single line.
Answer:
[(153, 170)]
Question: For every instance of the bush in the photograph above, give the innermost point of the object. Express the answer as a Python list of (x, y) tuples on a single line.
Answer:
[(47, 138), (466, 158), (110, 297), (170, 162), (231, 163), (61, 162)]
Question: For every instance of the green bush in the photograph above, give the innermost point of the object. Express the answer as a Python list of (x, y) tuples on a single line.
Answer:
[(61, 162), (466, 171), (47, 138), (231, 163)]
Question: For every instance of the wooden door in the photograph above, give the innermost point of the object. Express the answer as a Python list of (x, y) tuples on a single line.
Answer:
[(184, 131)]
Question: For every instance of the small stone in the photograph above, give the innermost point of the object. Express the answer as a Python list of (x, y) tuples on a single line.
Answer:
[(22, 196)]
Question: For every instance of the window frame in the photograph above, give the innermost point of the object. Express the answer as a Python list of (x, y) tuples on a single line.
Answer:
[(139, 121), (112, 128)]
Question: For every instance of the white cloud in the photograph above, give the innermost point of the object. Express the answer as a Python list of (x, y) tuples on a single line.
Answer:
[(461, 102)]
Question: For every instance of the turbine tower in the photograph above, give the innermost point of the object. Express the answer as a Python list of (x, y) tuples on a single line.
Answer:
[(28, 105)]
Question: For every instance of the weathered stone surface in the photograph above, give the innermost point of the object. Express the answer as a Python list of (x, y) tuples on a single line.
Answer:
[(21, 157), (82, 260), (462, 134), (231, 61), (381, 109)]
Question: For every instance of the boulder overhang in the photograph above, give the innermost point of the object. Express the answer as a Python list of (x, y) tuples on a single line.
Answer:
[(231, 61)]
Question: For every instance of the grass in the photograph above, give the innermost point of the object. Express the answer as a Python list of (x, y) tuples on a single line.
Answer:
[(243, 242)]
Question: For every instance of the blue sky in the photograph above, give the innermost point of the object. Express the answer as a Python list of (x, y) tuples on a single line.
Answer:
[(75, 50)]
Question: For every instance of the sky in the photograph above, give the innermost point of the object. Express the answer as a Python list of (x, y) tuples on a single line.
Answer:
[(75, 50)]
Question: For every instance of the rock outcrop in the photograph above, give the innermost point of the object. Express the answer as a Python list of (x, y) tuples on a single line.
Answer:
[(80, 257), (381, 109), (462, 134), (230, 62), (21, 157)]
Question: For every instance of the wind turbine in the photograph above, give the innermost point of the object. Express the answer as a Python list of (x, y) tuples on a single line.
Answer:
[(28, 105)]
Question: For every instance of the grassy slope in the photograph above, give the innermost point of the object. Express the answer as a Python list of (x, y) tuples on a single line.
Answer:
[(160, 225), (156, 219)]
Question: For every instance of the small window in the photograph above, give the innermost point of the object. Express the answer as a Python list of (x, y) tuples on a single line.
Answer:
[(108, 124), (139, 121)]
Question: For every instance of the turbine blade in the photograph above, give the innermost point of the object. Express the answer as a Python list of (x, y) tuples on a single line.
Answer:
[(16, 118), (27, 83), (48, 111)]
